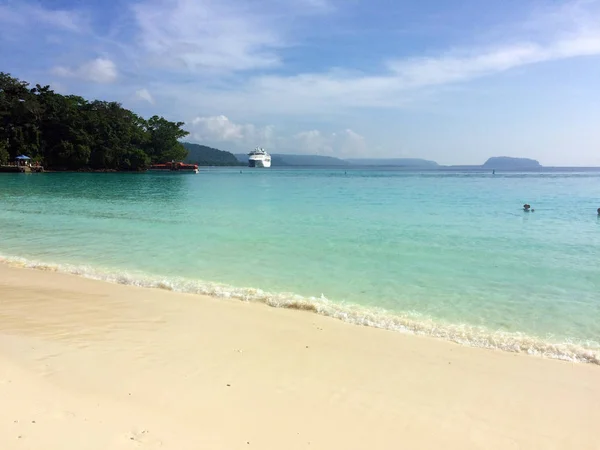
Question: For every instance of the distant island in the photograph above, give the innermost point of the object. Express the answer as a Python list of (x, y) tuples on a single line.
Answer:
[(208, 156), (509, 163)]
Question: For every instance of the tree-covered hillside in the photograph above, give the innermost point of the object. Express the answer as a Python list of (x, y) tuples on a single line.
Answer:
[(68, 132), (208, 156)]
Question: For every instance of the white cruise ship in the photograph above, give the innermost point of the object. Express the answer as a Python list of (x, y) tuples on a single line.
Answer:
[(259, 158)]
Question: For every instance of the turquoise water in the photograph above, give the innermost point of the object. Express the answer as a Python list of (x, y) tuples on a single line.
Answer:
[(446, 254)]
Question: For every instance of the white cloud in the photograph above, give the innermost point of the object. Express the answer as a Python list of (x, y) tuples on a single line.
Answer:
[(316, 5), (353, 144), (220, 128), (198, 35), (144, 94), (334, 91), (415, 73), (345, 144), (67, 20), (563, 33), (99, 70), (23, 14), (59, 87), (450, 68), (314, 142)]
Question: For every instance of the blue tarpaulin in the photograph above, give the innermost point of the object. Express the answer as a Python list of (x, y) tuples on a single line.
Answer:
[(22, 157)]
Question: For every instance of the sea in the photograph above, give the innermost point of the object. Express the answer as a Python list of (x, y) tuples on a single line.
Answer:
[(449, 254)]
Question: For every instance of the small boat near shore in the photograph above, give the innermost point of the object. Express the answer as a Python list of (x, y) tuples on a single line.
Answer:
[(174, 167)]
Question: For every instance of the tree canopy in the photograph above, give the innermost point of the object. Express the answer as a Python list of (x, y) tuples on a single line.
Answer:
[(69, 132)]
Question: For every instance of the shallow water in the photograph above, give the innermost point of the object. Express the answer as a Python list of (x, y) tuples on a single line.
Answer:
[(446, 254)]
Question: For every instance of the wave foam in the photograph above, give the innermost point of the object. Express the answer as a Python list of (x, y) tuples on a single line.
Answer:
[(459, 333)]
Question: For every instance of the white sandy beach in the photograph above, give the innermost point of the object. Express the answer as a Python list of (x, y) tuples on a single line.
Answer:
[(90, 365)]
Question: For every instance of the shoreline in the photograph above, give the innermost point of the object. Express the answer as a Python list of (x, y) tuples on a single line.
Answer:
[(94, 365), (121, 171), (469, 336)]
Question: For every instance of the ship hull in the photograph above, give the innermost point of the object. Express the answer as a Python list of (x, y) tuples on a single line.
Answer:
[(259, 163)]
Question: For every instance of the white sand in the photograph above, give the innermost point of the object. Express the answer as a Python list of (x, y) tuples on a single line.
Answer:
[(92, 365)]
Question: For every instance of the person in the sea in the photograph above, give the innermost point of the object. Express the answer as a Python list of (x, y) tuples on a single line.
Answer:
[(527, 208), (598, 212)]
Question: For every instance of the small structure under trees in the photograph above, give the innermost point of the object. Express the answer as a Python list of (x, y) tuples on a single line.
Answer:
[(68, 132)]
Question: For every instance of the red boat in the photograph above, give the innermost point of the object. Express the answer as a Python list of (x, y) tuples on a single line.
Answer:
[(177, 167)]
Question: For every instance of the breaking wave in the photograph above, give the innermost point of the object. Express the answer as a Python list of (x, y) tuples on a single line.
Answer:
[(464, 334)]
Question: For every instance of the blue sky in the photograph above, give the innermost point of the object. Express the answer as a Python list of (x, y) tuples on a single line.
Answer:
[(456, 82)]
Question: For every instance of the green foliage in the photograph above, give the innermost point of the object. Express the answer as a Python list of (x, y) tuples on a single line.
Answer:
[(208, 156), (163, 144), (135, 159), (4, 156), (71, 133)]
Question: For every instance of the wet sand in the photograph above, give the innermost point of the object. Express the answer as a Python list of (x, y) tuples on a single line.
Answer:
[(86, 364)]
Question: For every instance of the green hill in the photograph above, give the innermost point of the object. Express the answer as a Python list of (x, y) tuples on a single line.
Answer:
[(208, 156)]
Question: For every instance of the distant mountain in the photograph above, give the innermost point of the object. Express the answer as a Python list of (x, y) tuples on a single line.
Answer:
[(497, 162), (506, 163), (396, 162), (308, 160), (279, 160), (208, 156)]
